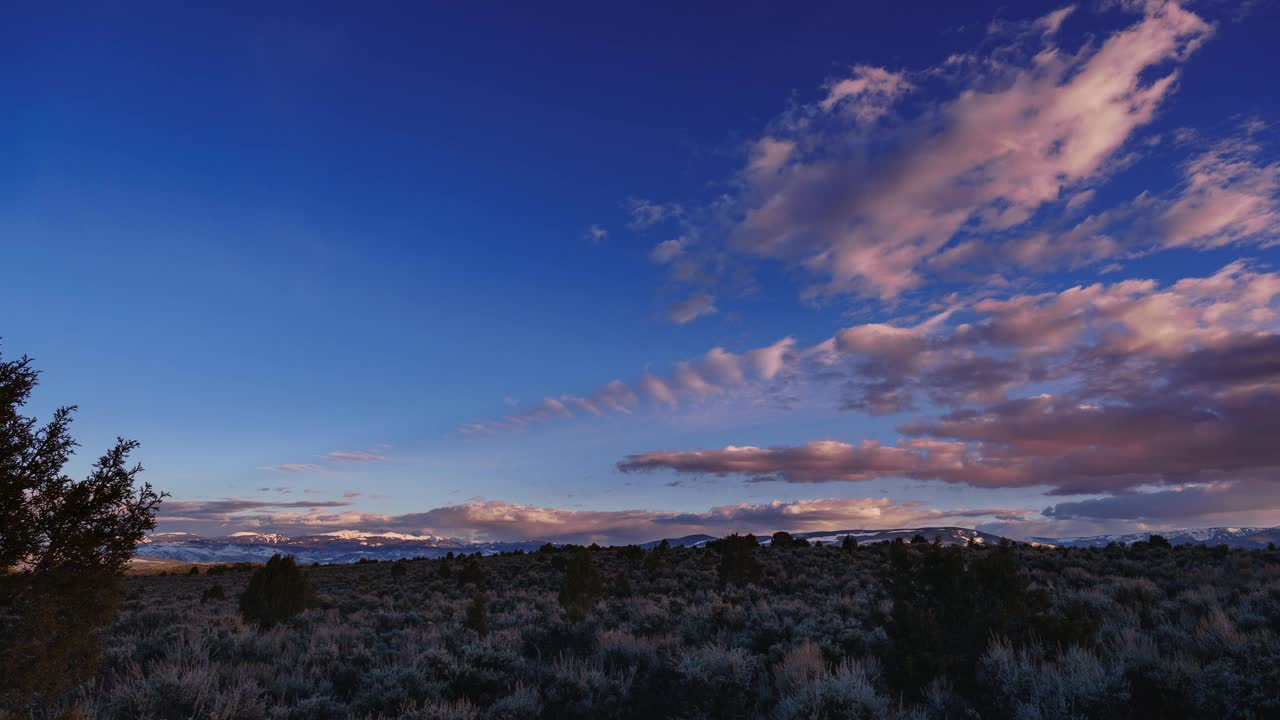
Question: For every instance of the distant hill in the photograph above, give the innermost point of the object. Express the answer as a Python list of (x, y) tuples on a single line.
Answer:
[(345, 546), (948, 536), (1237, 537)]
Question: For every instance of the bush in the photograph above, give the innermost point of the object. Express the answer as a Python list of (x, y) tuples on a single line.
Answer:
[(277, 591), (213, 593)]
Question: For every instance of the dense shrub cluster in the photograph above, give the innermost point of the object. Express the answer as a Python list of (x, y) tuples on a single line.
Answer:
[(906, 630)]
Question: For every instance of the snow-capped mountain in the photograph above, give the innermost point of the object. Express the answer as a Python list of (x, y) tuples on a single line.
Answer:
[(342, 546), (1240, 537), (948, 536)]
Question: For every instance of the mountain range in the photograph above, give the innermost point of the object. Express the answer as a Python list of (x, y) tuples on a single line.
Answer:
[(345, 546), (1239, 537)]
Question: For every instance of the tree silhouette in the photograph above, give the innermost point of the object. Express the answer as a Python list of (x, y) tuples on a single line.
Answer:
[(738, 563), (277, 591), (63, 544), (582, 585), (475, 619)]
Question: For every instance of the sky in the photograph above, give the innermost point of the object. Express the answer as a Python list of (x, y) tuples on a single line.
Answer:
[(612, 274)]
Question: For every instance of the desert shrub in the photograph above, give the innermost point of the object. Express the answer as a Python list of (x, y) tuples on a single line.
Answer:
[(388, 690), (522, 704), (277, 591), (1077, 685), (581, 688), (213, 593), (399, 569), (1195, 638), (847, 693), (717, 681)]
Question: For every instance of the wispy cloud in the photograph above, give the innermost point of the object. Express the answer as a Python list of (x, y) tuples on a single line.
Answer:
[(692, 308), (878, 187), (596, 233), (339, 457), (335, 458), (294, 468)]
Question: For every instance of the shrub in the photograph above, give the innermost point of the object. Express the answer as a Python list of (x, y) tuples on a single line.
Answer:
[(846, 694), (277, 591), (213, 593)]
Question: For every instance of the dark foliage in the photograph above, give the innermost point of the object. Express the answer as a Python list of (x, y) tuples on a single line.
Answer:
[(1109, 634), (581, 586), (63, 545), (277, 591), (948, 604), (738, 562), (213, 593), (475, 616)]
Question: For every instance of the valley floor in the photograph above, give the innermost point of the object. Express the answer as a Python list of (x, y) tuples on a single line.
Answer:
[(895, 630)]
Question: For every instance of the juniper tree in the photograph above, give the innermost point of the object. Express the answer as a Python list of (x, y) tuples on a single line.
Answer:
[(581, 586), (738, 563), (63, 544), (277, 591), (476, 619)]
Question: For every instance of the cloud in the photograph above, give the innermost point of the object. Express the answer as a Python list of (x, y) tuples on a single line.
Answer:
[(1100, 341), (1180, 504), (692, 308), (1227, 198), (668, 250), (227, 510), (496, 520), (646, 213), (595, 233), (717, 373), (1154, 386), (294, 468), (867, 95), (339, 457), (866, 212)]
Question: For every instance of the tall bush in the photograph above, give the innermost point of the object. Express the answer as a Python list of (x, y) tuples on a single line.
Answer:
[(277, 591)]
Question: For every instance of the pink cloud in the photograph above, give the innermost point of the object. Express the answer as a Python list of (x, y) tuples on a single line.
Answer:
[(692, 308), (1092, 339), (348, 458), (496, 520), (1020, 137), (295, 468)]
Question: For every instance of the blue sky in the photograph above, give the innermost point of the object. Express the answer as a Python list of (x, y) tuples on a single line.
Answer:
[(250, 238)]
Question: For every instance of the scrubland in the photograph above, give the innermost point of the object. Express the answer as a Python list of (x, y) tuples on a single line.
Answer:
[(901, 630)]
